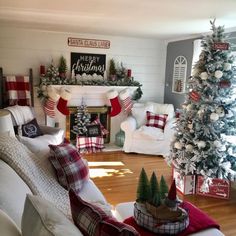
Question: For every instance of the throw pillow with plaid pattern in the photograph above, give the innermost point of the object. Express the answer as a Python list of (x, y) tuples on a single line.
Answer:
[(72, 171), (93, 221), (156, 120)]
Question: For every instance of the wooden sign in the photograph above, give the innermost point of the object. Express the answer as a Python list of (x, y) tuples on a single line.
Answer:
[(221, 46), (87, 63), (88, 43), (218, 188)]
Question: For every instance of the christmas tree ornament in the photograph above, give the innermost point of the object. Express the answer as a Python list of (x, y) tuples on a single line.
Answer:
[(189, 148), (204, 75), (201, 144), (178, 145), (214, 116), (217, 144), (218, 74), (189, 107), (227, 66), (220, 111), (65, 96), (195, 96), (229, 114), (112, 95), (225, 83), (126, 101), (50, 102), (190, 126)]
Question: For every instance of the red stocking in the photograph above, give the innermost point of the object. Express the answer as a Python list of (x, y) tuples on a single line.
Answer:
[(62, 103), (115, 104)]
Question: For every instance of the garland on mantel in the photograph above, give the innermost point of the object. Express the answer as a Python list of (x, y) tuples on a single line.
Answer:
[(53, 77)]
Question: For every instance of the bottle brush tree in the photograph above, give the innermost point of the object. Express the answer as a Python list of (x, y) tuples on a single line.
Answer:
[(154, 190), (143, 190), (62, 67), (163, 188), (205, 132)]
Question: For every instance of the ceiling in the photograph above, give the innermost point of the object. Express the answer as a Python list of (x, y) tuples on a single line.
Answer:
[(166, 19)]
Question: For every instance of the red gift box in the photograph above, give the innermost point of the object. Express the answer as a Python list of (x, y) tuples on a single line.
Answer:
[(218, 188), (184, 184)]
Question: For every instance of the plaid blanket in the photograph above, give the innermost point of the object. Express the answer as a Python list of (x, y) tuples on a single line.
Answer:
[(18, 90), (89, 144)]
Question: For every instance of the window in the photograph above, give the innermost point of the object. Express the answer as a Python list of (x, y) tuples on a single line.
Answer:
[(179, 75)]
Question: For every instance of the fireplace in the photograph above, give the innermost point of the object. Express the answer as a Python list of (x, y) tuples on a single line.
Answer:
[(102, 112)]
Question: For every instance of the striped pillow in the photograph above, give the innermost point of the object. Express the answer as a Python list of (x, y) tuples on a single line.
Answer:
[(156, 120)]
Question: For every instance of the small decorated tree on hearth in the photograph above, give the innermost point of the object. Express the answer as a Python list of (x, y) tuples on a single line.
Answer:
[(207, 125), (82, 120)]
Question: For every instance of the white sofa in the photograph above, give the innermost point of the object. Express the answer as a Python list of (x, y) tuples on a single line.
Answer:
[(148, 140), (13, 192)]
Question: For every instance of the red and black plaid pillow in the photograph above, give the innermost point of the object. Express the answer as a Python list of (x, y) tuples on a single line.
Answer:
[(156, 120), (91, 220), (97, 121), (72, 171)]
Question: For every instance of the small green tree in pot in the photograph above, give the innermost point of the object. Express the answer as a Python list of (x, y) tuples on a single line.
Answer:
[(112, 70), (62, 67)]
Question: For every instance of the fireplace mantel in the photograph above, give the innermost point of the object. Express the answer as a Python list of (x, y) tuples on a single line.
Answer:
[(91, 95)]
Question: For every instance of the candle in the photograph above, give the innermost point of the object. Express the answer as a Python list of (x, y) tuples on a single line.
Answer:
[(42, 70), (129, 73)]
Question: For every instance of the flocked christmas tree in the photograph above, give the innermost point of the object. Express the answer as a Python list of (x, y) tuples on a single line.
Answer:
[(202, 144), (82, 119)]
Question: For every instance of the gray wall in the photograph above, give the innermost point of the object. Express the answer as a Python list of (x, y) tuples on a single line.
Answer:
[(175, 49), (182, 48)]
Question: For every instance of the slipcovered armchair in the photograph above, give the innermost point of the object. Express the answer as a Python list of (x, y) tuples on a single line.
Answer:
[(140, 138)]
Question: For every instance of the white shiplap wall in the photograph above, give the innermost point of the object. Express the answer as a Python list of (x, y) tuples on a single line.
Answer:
[(21, 49)]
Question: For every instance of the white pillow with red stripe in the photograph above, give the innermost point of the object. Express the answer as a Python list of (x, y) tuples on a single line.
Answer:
[(156, 120)]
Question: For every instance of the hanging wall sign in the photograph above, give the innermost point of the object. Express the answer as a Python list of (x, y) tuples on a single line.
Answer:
[(88, 43), (87, 63)]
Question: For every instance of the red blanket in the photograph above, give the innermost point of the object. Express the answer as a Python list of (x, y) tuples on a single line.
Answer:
[(198, 220)]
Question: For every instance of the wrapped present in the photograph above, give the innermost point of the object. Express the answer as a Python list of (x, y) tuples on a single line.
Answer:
[(184, 184), (213, 187)]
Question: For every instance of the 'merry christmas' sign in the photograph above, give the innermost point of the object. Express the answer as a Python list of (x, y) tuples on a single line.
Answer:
[(86, 63)]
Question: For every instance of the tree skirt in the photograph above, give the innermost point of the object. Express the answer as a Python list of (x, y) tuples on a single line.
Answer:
[(198, 220)]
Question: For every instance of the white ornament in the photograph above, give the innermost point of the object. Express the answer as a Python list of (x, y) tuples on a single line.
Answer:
[(214, 116), (218, 74), (227, 66), (222, 148), (189, 148), (220, 111), (178, 145), (217, 143), (190, 126), (189, 107), (204, 75), (229, 114), (201, 144), (195, 72)]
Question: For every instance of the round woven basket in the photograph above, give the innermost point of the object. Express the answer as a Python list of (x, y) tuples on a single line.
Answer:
[(145, 219)]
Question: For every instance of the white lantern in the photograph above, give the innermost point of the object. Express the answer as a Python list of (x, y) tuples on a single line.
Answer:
[(218, 74), (204, 75), (217, 143)]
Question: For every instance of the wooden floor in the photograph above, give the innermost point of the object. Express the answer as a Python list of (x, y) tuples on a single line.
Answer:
[(116, 175)]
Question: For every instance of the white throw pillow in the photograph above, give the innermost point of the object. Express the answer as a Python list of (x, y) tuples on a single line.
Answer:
[(139, 113), (41, 218), (7, 226)]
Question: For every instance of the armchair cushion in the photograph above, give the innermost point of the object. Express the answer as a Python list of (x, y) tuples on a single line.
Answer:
[(148, 132)]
